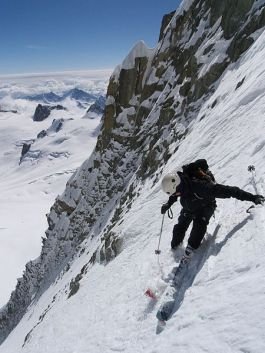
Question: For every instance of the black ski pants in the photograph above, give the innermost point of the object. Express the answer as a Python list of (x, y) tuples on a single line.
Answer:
[(200, 221)]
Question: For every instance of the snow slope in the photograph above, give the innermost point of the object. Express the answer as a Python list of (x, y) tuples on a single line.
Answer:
[(28, 190), (223, 310)]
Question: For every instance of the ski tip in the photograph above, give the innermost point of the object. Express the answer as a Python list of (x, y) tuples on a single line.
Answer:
[(162, 316), (149, 293), (161, 324)]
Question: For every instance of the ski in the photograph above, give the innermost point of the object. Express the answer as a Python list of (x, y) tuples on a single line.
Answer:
[(170, 295), (184, 276)]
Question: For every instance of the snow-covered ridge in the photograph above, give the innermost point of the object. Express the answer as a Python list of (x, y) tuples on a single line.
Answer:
[(139, 50), (174, 109)]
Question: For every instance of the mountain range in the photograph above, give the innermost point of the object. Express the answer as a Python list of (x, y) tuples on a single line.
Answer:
[(51, 97), (37, 158)]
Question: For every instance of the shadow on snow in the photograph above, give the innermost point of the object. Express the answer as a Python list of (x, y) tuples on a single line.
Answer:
[(207, 249)]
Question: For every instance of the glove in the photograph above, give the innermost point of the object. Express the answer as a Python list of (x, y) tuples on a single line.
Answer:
[(258, 200), (164, 208)]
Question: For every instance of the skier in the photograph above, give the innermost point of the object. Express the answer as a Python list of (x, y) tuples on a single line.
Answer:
[(197, 190)]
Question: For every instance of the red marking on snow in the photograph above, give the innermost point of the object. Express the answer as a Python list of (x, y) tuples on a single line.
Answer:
[(149, 293)]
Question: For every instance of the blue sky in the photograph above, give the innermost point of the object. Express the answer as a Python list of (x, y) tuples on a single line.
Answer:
[(58, 35)]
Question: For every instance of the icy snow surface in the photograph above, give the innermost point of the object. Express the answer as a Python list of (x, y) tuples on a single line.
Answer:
[(224, 309), (28, 190)]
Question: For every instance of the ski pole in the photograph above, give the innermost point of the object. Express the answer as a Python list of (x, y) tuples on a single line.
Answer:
[(252, 170), (157, 251)]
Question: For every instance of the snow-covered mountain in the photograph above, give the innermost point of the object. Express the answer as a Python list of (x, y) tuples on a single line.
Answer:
[(37, 158), (74, 93), (198, 94)]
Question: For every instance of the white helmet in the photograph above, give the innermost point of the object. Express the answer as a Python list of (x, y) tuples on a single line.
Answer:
[(170, 182)]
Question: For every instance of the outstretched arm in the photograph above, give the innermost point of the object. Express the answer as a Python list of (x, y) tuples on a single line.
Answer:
[(224, 191)]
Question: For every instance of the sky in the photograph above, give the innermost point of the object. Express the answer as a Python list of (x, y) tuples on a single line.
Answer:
[(47, 36)]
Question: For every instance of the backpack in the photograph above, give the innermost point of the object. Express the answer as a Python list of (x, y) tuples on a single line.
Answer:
[(198, 170)]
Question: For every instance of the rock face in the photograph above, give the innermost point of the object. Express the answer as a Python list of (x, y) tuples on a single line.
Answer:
[(43, 111), (42, 134), (165, 22), (152, 97), (79, 95), (25, 149), (97, 107), (29, 154), (56, 126)]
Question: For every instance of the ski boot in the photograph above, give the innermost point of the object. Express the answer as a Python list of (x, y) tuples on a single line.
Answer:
[(189, 251)]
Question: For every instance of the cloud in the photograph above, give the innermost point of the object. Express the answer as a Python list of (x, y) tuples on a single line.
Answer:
[(74, 74), (15, 86)]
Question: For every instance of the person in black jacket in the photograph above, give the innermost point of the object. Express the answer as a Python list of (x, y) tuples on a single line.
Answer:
[(197, 190)]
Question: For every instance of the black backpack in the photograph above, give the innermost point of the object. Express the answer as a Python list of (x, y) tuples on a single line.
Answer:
[(198, 170)]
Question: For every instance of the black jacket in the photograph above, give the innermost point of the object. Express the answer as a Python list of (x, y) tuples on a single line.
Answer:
[(196, 193)]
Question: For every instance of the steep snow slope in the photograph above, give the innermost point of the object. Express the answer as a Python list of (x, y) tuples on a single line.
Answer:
[(223, 310)]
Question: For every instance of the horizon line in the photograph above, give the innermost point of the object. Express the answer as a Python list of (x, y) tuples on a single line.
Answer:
[(58, 73)]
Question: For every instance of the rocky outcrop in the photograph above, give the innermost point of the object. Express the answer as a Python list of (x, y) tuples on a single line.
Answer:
[(152, 98), (42, 134), (79, 95), (165, 22), (43, 111), (29, 154), (56, 126), (25, 149), (97, 107)]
